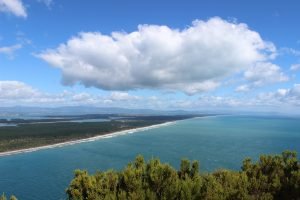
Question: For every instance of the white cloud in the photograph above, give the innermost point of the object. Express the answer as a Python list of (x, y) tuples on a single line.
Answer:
[(81, 97), (15, 7), (262, 74), (281, 100), (122, 96), (19, 93), (9, 50), (191, 60), (295, 67), (15, 90), (284, 97)]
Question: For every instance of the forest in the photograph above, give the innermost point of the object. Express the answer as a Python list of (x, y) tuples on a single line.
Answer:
[(271, 177)]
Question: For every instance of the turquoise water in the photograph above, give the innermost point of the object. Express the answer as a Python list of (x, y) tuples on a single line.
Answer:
[(217, 142)]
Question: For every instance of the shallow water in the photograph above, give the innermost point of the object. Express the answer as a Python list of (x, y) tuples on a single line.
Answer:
[(217, 142)]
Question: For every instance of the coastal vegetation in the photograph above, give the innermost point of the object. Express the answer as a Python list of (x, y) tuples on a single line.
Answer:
[(271, 177), (35, 133), (3, 197)]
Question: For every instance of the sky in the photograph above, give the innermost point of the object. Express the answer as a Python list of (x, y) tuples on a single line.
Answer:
[(191, 55)]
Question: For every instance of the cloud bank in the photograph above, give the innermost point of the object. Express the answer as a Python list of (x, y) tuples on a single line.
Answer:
[(14, 7), (19, 93), (192, 60), (16, 89)]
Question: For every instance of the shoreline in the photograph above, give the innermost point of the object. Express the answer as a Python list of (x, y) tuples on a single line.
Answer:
[(90, 139)]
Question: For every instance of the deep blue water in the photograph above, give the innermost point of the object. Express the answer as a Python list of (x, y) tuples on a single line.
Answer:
[(217, 142)]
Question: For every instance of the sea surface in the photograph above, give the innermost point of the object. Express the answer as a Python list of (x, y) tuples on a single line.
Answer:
[(217, 142)]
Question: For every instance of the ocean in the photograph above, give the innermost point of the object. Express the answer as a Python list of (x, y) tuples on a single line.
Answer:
[(216, 142)]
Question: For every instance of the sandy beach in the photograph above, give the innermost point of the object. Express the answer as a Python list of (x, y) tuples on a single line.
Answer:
[(90, 139)]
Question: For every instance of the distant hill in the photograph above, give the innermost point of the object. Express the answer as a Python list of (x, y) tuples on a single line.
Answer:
[(23, 111), (79, 110)]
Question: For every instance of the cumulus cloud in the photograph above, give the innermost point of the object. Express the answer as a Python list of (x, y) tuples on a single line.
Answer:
[(82, 97), (261, 74), (284, 97), (123, 96), (282, 100), (15, 89), (292, 95), (15, 7), (192, 60), (19, 93), (264, 73), (9, 50)]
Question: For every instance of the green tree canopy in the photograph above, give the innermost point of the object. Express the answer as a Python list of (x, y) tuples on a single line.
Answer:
[(271, 177)]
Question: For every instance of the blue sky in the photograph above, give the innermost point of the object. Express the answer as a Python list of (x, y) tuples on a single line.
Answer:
[(200, 55)]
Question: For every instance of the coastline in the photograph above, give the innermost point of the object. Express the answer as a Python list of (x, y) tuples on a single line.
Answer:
[(90, 139)]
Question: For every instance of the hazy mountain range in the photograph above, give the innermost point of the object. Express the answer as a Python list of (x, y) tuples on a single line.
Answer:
[(21, 111), (79, 110)]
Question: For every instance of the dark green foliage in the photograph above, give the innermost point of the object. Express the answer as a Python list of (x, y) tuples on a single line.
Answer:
[(272, 177), (276, 176)]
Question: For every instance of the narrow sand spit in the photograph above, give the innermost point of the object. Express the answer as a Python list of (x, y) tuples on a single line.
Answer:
[(72, 142)]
